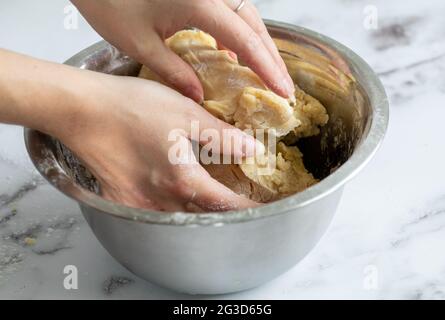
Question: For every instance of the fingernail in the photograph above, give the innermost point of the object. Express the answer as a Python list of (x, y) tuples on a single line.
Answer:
[(283, 66), (195, 94), (289, 85), (233, 55)]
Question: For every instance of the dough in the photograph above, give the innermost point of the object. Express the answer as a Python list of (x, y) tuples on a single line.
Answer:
[(311, 114), (232, 92), (289, 176), (235, 94), (235, 179)]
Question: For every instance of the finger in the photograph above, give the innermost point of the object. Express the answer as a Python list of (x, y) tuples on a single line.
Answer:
[(195, 123), (172, 69), (251, 16), (228, 28), (231, 53), (214, 196), (202, 191)]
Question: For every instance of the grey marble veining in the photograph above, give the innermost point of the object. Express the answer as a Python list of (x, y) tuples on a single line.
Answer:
[(397, 237)]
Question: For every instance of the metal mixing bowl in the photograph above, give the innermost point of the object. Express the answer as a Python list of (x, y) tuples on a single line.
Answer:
[(215, 253)]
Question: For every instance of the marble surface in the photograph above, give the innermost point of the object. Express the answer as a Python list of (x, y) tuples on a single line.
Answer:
[(387, 239)]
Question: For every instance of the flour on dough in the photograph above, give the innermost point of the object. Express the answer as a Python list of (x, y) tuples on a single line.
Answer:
[(235, 94)]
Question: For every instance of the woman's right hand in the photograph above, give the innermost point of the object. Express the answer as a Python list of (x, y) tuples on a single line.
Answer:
[(121, 134), (139, 28)]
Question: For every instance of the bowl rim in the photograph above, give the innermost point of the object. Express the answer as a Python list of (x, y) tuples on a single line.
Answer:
[(360, 157)]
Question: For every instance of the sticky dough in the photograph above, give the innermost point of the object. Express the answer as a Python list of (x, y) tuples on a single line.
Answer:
[(235, 94)]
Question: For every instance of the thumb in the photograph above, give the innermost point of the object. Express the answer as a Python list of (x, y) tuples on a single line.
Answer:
[(173, 70), (224, 138)]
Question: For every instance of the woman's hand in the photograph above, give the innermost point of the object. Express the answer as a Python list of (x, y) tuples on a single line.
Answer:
[(139, 27), (124, 141), (119, 127)]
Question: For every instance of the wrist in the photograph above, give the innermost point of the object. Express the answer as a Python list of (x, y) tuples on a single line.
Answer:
[(77, 103), (41, 95)]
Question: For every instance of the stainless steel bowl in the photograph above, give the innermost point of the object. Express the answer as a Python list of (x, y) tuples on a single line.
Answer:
[(216, 253)]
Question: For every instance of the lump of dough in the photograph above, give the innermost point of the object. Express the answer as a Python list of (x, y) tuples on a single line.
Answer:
[(261, 109), (282, 174), (267, 179), (235, 94)]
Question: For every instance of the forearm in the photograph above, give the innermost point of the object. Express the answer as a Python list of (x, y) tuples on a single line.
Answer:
[(41, 95)]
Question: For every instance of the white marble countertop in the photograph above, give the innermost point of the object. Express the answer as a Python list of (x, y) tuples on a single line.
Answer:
[(391, 220)]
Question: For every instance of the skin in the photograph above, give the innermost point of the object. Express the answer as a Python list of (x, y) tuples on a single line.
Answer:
[(140, 29), (119, 126)]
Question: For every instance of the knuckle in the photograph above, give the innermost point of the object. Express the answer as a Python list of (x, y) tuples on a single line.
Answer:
[(253, 44), (180, 185), (254, 11), (182, 190), (209, 4), (202, 8), (176, 75), (140, 51), (209, 15), (212, 3), (261, 30)]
